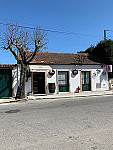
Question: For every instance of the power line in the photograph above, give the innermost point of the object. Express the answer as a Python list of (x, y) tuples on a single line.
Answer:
[(29, 24), (109, 30), (54, 31)]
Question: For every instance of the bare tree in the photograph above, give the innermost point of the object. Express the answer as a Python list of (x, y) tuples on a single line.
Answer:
[(18, 41)]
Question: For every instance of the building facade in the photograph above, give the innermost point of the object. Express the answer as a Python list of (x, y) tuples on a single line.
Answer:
[(66, 78), (53, 73)]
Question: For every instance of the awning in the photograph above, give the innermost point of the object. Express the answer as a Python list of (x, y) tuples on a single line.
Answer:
[(39, 68)]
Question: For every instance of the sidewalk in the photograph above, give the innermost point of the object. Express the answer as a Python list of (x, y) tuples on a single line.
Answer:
[(70, 95), (7, 100), (58, 96)]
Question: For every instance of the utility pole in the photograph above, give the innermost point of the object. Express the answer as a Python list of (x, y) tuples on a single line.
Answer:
[(105, 35)]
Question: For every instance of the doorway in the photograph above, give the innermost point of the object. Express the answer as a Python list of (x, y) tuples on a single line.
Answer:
[(39, 83), (63, 81), (5, 82), (86, 83)]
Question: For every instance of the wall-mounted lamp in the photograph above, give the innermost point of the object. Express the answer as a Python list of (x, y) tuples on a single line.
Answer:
[(75, 72), (51, 72)]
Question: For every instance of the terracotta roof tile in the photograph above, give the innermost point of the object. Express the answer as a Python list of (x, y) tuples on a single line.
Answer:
[(64, 58), (7, 65)]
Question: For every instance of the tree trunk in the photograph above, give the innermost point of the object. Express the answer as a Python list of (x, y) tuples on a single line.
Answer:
[(21, 88)]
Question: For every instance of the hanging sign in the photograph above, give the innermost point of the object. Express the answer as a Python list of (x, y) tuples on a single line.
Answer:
[(109, 68)]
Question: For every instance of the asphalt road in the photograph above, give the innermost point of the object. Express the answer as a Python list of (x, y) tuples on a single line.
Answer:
[(65, 124)]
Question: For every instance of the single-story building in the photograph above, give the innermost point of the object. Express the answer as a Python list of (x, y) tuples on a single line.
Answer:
[(52, 73)]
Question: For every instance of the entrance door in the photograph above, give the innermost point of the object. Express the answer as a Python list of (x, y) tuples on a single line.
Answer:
[(39, 83), (63, 81), (5, 82), (86, 86)]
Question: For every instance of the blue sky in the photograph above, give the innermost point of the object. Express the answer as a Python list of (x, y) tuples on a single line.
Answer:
[(85, 17)]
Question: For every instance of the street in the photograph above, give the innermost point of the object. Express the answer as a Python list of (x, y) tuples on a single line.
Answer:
[(63, 124)]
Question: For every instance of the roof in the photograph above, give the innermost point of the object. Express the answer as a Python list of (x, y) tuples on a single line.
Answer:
[(7, 65), (64, 58)]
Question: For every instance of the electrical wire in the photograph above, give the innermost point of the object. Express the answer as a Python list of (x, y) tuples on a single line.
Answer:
[(54, 31)]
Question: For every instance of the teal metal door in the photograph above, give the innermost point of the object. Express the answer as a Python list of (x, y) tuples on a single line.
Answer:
[(63, 81), (5, 82), (86, 86)]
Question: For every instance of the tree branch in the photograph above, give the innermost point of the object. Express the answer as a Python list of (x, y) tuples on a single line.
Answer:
[(37, 47), (10, 48)]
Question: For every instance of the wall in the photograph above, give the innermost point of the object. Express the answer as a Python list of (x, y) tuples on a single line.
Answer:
[(99, 78), (51, 79), (74, 80), (110, 83), (16, 81)]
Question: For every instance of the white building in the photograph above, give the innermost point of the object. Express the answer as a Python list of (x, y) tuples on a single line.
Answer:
[(51, 73)]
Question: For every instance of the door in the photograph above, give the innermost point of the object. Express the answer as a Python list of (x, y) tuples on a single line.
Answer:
[(86, 84), (5, 82), (63, 81), (39, 83)]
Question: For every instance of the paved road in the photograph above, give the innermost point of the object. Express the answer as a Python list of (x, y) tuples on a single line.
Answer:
[(70, 124)]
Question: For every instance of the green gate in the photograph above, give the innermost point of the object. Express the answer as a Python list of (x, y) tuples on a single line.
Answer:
[(86, 86), (5, 82)]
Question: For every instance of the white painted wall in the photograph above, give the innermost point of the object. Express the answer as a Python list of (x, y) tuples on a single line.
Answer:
[(28, 87), (100, 78), (51, 79), (74, 79), (15, 83)]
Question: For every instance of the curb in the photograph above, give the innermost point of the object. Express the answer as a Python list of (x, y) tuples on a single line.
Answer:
[(3, 101), (73, 96), (8, 101)]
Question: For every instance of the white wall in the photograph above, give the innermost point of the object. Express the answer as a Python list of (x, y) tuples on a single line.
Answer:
[(74, 79), (15, 83), (51, 79), (99, 78), (28, 87)]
